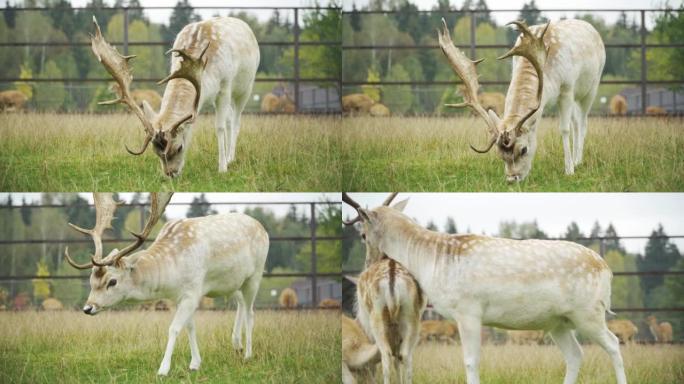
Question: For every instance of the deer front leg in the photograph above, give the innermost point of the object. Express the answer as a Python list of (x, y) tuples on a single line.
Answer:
[(469, 329), (223, 112), (186, 308), (194, 348), (565, 103)]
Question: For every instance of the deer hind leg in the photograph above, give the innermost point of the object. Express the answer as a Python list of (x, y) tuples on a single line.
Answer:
[(223, 124), (239, 321), (378, 329), (408, 344), (584, 108), (469, 328), (594, 328), (196, 360), (565, 339), (565, 103), (239, 101), (249, 291), (186, 308)]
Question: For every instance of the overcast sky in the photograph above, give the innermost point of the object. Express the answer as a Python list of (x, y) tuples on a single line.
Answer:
[(632, 214), (178, 211)]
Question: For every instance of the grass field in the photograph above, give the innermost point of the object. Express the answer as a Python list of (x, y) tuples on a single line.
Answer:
[(521, 364), (432, 154), (127, 347), (49, 152)]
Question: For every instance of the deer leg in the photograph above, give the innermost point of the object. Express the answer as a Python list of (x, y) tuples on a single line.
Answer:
[(378, 330), (186, 308), (596, 330), (239, 321), (249, 291), (584, 107), (409, 342), (565, 103), (574, 120), (469, 328), (239, 102), (572, 352), (194, 348), (347, 376), (222, 115)]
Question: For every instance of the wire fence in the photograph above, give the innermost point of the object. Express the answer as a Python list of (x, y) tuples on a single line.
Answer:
[(643, 100), (306, 99), (321, 285)]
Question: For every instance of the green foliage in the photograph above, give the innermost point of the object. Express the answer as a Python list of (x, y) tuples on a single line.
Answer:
[(329, 217), (200, 207), (660, 255), (182, 15), (450, 226), (69, 291), (50, 96), (514, 230), (41, 287), (398, 97), (372, 91), (626, 292)]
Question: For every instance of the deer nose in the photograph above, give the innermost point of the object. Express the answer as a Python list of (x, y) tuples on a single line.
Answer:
[(512, 178), (88, 309)]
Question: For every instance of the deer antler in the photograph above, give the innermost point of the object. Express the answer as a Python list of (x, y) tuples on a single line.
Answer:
[(465, 69), (532, 48), (104, 212), (347, 199), (158, 202), (117, 66)]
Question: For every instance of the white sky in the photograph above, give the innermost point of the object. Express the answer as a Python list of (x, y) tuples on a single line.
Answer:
[(173, 211), (632, 214)]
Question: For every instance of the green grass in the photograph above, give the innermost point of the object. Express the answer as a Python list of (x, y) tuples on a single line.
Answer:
[(540, 364), (432, 154), (50, 152), (127, 347)]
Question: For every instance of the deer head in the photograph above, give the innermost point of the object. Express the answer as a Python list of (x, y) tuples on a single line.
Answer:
[(168, 137), (515, 143), (110, 280), (368, 236)]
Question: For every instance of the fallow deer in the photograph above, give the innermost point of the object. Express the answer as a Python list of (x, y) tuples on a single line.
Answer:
[(555, 286), (215, 60), (190, 258), (559, 62)]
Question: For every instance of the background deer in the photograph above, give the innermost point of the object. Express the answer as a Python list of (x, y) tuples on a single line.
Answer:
[(390, 304), (213, 255), (561, 62), (215, 60), (555, 286)]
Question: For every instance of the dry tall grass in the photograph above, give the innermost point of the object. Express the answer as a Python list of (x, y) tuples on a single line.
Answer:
[(49, 152), (70, 347), (525, 364), (432, 154)]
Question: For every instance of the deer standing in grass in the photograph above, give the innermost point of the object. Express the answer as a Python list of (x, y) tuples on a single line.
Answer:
[(217, 255), (215, 60), (555, 286), (560, 62), (390, 304)]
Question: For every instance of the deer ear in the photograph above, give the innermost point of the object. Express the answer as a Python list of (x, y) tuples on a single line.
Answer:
[(365, 215), (150, 114), (400, 205), (495, 118)]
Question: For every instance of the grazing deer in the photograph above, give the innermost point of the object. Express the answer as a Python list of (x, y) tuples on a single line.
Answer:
[(216, 60), (212, 255), (390, 304), (555, 286), (662, 333), (561, 62)]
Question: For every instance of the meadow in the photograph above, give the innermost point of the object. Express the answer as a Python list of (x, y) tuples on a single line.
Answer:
[(127, 347), (81, 152), (540, 364), (432, 154)]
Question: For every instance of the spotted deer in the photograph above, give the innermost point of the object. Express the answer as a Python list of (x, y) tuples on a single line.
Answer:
[(560, 62), (555, 286), (359, 354), (390, 304), (217, 255), (213, 60)]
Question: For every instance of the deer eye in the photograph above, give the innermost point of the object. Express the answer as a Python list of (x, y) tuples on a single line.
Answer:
[(363, 236), (523, 151), (111, 283)]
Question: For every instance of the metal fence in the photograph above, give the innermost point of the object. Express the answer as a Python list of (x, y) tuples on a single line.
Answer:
[(313, 238), (643, 82), (330, 100), (603, 240)]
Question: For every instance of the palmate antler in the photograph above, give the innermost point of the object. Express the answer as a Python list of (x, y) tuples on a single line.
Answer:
[(530, 47), (118, 67), (347, 199), (104, 208)]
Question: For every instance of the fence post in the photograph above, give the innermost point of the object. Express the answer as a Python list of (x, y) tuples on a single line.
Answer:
[(643, 61), (602, 247), (125, 31), (314, 272), (473, 20), (296, 59)]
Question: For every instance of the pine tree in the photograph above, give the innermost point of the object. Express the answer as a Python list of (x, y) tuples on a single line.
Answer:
[(200, 207), (660, 255), (450, 226), (182, 15)]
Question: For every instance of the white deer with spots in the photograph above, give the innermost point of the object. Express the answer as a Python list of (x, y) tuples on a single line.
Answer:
[(555, 286), (218, 255), (560, 62), (215, 60)]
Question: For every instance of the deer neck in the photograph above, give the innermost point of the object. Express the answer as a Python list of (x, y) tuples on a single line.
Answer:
[(177, 102), (522, 91), (151, 276)]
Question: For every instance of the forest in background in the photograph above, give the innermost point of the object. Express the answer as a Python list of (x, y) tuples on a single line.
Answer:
[(47, 259), (407, 26), (60, 23)]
